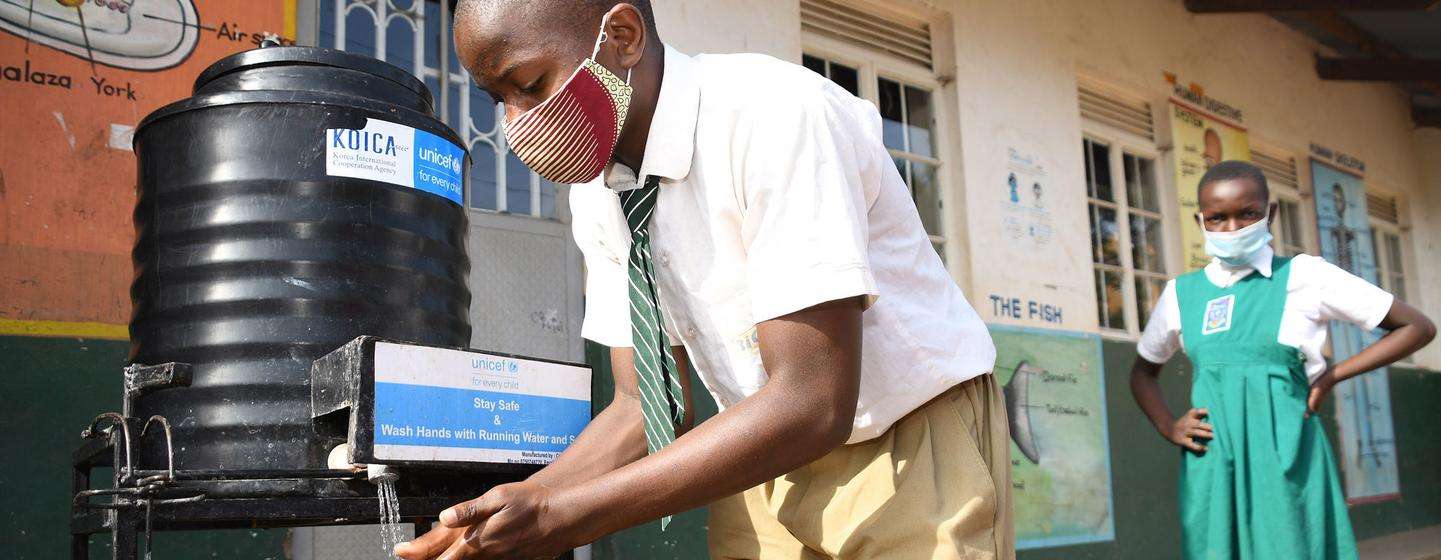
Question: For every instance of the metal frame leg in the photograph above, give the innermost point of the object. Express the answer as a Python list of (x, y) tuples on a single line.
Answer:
[(79, 542), (125, 538)]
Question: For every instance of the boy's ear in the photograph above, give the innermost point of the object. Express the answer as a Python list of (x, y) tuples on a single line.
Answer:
[(1271, 214)]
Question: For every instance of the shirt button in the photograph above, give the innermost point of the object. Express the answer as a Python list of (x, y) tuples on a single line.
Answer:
[(690, 332), (665, 259)]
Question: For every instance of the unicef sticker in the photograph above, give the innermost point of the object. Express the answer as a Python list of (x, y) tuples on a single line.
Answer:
[(1218, 314), (396, 154)]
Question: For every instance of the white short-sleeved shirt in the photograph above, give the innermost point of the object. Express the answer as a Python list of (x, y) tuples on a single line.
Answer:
[(777, 194), (1316, 293)]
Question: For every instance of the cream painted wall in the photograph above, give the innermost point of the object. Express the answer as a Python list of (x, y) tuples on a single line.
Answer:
[(707, 26), (1016, 84), (1017, 63), (1424, 205)]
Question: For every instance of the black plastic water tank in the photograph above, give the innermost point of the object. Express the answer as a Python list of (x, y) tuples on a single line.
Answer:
[(300, 198)]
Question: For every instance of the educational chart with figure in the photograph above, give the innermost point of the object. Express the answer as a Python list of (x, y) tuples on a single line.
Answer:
[(1054, 386), (1363, 404), (1201, 139)]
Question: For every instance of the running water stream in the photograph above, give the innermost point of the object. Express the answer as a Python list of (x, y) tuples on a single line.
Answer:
[(391, 532)]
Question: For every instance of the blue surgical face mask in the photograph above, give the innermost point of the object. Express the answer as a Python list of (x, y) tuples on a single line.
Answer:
[(1236, 248)]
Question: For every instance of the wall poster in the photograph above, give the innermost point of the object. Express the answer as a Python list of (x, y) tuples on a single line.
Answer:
[(1363, 411), (1024, 204), (1201, 138), (76, 77), (1054, 385), (1027, 216)]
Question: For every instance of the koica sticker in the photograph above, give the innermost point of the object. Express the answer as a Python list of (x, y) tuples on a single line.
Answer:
[(396, 154)]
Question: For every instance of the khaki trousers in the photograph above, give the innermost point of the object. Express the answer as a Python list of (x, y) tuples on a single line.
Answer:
[(937, 484)]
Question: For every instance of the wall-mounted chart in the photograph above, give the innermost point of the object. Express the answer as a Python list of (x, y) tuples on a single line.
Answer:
[(1363, 405), (1054, 386), (130, 34), (76, 76)]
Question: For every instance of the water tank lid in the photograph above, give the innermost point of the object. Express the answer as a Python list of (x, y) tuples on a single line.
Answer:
[(281, 56)]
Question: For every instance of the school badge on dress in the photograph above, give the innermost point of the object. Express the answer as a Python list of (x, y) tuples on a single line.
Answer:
[(1218, 314)]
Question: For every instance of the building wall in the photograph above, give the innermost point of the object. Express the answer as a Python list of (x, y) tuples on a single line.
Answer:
[(756, 26), (1017, 67), (1424, 203), (63, 268), (1016, 70), (53, 387), (67, 191), (1144, 471)]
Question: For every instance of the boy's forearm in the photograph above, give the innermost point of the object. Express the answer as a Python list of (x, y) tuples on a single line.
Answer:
[(613, 439), (806, 408), (765, 436), (616, 436)]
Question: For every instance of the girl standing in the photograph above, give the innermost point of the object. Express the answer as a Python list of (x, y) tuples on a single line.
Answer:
[(1258, 477)]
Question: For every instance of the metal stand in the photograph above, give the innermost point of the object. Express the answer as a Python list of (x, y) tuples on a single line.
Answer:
[(143, 501)]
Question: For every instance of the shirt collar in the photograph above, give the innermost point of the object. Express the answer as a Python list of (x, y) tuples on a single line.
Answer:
[(670, 144), (1260, 262)]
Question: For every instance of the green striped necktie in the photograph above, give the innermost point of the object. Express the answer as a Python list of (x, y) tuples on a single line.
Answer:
[(661, 403)]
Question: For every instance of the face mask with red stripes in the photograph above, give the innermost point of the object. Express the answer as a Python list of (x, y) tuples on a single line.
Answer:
[(570, 137)]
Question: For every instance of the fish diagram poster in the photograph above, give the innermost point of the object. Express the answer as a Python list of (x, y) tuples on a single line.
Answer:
[(1201, 140), (1054, 387), (1363, 411)]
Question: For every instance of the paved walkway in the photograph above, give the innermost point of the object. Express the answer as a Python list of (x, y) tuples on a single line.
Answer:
[(1418, 544)]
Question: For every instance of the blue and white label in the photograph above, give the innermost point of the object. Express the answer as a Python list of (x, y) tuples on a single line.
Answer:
[(1218, 314), (396, 154), (435, 404)]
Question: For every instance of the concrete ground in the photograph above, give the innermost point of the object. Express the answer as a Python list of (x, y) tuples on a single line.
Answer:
[(1418, 544)]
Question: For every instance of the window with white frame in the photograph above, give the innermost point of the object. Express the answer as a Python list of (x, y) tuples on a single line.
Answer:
[(1127, 236), (415, 35), (905, 95), (1388, 244), (1390, 265), (1288, 240), (1281, 177)]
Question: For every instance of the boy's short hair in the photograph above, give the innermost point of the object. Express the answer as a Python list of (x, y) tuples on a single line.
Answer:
[(575, 13), (1234, 169)]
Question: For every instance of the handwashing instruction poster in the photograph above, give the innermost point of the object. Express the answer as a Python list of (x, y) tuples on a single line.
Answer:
[(1060, 454), (436, 404)]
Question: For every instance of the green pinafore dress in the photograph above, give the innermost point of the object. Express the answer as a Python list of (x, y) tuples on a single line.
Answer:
[(1267, 487)]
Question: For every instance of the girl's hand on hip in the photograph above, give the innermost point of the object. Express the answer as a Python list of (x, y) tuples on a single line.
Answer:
[(1319, 389), (1189, 427)]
